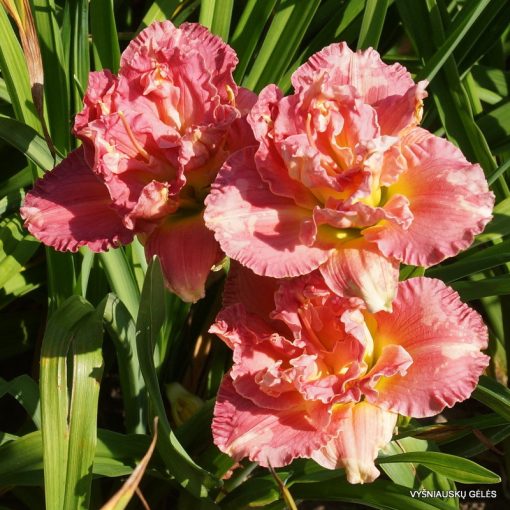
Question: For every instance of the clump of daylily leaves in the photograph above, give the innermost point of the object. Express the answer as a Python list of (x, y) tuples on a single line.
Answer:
[(316, 197)]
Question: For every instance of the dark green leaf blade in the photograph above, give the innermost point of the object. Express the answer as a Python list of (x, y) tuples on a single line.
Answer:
[(151, 316)]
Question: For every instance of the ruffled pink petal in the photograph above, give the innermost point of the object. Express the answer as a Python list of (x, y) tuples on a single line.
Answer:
[(259, 352), (232, 326), (444, 338), (127, 158), (263, 116), (265, 111), (269, 437), (335, 388), (154, 203), (217, 55), (393, 165), (245, 100), (240, 134), (255, 227), (362, 435), (373, 79), (156, 36), (199, 151), (255, 292), (290, 304), (187, 69), (357, 269), (262, 380), (188, 251), (70, 207), (161, 40), (396, 113), (98, 98), (360, 121), (303, 163), (322, 322), (393, 359), (342, 215), (449, 199)]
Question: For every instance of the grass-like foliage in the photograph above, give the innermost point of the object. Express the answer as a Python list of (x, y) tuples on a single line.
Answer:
[(108, 380)]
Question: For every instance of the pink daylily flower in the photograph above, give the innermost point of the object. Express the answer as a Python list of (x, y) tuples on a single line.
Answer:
[(153, 139), (324, 379), (344, 180)]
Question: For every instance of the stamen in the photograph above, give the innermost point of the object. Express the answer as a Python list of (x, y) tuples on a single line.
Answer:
[(134, 141), (104, 109), (230, 95), (267, 119), (331, 171), (309, 130)]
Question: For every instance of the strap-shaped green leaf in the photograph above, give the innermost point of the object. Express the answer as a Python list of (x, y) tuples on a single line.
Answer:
[(476, 262), (159, 11), (455, 468), (28, 141), (69, 426), (25, 390), (379, 494), (21, 458), (503, 169), (500, 224), (412, 475), (151, 317), (493, 395), (424, 25), (80, 53), (4, 94), (343, 24), (87, 362), (16, 248), (16, 184), (122, 329), (482, 38), (287, 29), (372, 25), (216, 15), (456, 35), (123, 496), (472, 445), (255, 492), (121, 278), (477, 289), (248, 32), (15, 73), (495, 125), (56, 79), (105, 43)]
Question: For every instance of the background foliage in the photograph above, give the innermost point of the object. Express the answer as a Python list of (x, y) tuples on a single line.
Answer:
[(90, 343)]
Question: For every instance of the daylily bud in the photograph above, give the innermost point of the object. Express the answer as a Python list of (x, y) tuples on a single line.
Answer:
[(183, 404), (22, 14)]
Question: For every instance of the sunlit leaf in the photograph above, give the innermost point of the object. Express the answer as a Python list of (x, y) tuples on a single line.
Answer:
[(372, 24), (27, 140), (69, 422), (286, 31), (455, 468), (216, 15)]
